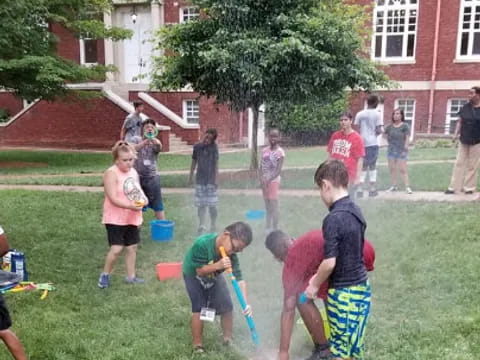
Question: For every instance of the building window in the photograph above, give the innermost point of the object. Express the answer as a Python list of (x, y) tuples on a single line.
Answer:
[(395, 30), (191, 111), (469, 30), (88, 52), (453, 107), (189, 13), (27, 103), (408, 107)]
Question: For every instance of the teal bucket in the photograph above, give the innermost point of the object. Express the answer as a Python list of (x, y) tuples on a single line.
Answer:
[(162, 230)]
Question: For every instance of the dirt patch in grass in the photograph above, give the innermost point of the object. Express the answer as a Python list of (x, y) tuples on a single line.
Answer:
[(21, 164)]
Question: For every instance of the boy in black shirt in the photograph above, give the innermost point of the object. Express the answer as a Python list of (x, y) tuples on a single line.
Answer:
[(348, 301), (205, 161)]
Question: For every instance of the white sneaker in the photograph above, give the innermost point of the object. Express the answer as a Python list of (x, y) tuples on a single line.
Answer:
[(392, 188), (408, 190)]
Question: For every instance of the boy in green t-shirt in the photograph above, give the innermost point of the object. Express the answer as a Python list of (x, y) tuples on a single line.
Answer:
[(202, 271)]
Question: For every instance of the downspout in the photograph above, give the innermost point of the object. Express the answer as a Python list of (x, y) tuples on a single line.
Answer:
[(434, 68), (240, 126)]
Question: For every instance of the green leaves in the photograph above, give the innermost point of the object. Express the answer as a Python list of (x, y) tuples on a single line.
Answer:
[(247, 52), (29, 65)]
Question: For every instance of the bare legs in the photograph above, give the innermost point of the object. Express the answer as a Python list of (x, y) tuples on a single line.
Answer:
[(398, 166), (130, 259), (160, 215), (202, 217), (197, 328), (273, 214), (313, 321), (13, 344)]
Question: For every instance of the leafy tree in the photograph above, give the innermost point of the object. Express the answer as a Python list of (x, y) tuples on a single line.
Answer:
[(247, 52), (29, 65), (310, 122)]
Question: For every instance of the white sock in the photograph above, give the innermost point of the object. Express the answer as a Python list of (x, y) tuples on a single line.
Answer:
[(363, 175), (373, 176)]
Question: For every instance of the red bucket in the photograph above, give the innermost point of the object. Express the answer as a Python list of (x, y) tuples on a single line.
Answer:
[(172, 270)]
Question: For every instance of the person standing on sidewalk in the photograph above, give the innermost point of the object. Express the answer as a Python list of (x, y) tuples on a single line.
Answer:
[(465, 170), (370, 124), (397, 134), (346, 145)]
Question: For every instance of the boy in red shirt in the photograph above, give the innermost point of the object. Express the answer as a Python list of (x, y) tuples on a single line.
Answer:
[(301, 259), (346, 145)]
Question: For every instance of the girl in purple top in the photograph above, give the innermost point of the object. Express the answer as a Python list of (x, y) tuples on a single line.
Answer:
[(270, 169)]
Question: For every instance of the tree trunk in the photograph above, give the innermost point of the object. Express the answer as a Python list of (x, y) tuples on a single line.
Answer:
[(254, 155)]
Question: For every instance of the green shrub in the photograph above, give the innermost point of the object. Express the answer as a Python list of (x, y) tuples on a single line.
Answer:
[(308, 124), (434, 143)]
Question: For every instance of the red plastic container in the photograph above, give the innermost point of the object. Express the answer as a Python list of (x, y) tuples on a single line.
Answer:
[(172, 270)]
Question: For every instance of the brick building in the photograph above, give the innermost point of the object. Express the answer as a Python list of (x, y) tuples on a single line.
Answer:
[(182, 115), (431, 48)]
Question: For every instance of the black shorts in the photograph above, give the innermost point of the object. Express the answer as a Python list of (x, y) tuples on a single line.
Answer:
[(215, 297), (124, 235), (5, 320), (153, 191), (370, 159)]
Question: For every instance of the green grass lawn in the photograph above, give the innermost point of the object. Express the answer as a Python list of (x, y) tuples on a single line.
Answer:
[(423, 177), (425, 298), (57, 162)]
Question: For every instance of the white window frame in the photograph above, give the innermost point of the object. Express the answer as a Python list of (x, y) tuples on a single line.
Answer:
[(191, 111), (396, 6), (412, 118), (82, 53), (451, 115), (471, 30), (193, 12)]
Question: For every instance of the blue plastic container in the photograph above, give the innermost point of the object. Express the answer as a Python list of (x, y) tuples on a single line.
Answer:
[(162, 230), (255, 214), (19, 265)]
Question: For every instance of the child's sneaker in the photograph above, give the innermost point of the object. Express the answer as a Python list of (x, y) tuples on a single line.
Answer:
[(320, 352), (227, 342), (373, 193), (392, 188), (134, 280), (104, 281), (408, 190), (199, 349), (359, 194)]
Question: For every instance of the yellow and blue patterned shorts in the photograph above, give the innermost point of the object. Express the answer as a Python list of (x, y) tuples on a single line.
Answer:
[(347, 310)]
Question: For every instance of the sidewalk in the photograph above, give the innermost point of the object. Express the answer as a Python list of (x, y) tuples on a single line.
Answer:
[(186, 172), (432, 196)]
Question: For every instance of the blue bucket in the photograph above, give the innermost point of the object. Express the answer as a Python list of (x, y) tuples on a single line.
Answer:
[(162, 230), (255, 214)]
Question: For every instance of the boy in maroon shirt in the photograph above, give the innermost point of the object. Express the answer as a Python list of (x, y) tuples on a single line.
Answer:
[(301, 258)]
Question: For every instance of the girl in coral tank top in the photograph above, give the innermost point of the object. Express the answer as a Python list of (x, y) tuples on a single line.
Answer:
[(122, 212)]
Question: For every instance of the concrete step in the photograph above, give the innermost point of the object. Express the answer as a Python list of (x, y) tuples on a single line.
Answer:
[(177, 145), (121, 90)]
